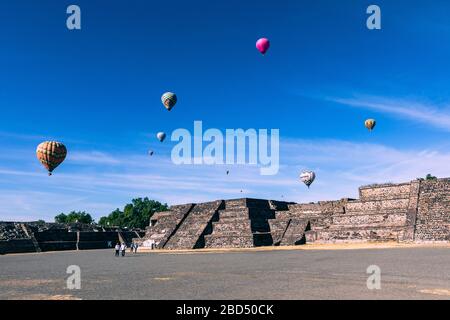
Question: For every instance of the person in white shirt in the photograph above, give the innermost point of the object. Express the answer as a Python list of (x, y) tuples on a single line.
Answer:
[(123, 247), (117, 248)]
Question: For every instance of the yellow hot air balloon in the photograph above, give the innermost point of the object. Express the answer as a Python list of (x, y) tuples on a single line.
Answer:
[(51, 154), (370, 124)]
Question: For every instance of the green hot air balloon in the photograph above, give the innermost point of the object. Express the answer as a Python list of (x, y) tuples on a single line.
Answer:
[(169, 100)]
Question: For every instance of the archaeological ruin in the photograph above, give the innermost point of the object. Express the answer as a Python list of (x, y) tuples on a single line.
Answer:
[(418, 211), (24, 237)]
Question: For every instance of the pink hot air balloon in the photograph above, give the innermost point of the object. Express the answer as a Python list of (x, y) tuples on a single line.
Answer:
[(263, 45)]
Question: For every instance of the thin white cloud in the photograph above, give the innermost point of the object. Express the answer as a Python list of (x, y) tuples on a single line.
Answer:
[(93, 157), (18, 136), (430, 114)]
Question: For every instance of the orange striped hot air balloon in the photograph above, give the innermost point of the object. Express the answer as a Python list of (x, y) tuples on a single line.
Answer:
[(51, 154)]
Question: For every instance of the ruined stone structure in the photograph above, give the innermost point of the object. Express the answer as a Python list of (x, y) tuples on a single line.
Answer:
[(418, 211), (16, 237)]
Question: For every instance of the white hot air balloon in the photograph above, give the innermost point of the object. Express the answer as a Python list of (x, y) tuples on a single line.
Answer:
[(161, 136), (307, 177)]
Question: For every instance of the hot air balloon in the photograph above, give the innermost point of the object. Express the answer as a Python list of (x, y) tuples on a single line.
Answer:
[(307, 177), (169, 100), (161, 136), (370, 124), (51, 154), (263, 45)]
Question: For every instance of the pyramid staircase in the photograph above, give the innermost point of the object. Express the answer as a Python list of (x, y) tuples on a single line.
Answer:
[(198, 223), (163, 226), (243, 223)]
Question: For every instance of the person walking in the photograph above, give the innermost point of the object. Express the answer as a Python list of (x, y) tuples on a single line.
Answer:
[(123, 247), (136, 247), (117, 248)]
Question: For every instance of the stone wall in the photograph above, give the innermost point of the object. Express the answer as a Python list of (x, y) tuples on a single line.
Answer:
[(16, 246), (24, 237), (381, 214), (433, 214), (11, 231), (384, 192)]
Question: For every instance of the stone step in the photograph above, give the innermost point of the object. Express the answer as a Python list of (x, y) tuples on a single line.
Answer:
[(373, 206), (241, 220), (228, 220), (250, 203), (249, 213), (232, 213), (384, 192), (362, 234), (162, 225), (432, 232), (368, 212), (236, 203), (234, 233), (320, 223), (367, 220), (182, 243), (218, 227), (251, 225), (240, 241), (438, 217)]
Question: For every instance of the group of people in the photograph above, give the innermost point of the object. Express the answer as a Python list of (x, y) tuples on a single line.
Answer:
[(120, 249)]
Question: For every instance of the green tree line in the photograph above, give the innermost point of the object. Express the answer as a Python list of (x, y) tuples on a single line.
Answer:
[(73, 217), (134, 215)]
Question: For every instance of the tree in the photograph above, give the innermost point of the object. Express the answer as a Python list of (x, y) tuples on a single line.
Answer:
[(61, 218), (74, 216), (428, 177), (134, 215)]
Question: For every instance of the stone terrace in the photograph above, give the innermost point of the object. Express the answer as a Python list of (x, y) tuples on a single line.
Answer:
[(416, 211)]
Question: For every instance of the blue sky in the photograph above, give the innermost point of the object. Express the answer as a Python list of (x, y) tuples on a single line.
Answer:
[(98, 91)]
